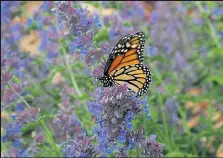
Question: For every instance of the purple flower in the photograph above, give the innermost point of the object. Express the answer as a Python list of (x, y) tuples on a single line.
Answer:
[(80, 147), (146, 110), (122, 137), (153, 148), (131, 143), (128, 120), (138, 136), (77, 20), (81, 43), (121, 153), (68, 123), (115, 109)]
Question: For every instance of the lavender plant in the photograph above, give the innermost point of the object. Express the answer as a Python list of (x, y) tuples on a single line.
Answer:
[(51, 106)]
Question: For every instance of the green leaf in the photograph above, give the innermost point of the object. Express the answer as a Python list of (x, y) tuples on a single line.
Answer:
[(211, 5), (126, 23), (101, 36), (174, 154), (216, 78), (44, 150), (157, 58), (215, 53), (33, 26), (16, 79), (29, 127), (28, 97)]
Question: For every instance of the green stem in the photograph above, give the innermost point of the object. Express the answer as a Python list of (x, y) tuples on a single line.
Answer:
[(186, 127), (163, 114), (184, 119), (20, 97), (211, 27), (74, 83), (137, 152), (42, 123)]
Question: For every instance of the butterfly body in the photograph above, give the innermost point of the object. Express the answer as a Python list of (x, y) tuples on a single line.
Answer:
[(125, 65), (107, 81)]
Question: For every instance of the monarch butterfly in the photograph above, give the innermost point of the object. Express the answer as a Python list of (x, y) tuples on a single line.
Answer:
[(125, 65)]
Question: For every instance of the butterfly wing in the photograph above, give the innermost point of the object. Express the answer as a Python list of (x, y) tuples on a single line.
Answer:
[(137, 77), (128, 51)]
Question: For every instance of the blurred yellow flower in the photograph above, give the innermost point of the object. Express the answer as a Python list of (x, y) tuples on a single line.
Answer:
[(30, 43), (57, 78), (31, 6), (220, 151)]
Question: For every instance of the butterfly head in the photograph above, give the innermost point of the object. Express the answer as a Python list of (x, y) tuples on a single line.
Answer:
[(107, 81)]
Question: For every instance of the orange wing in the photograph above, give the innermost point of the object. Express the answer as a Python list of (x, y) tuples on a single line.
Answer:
[(137, 77), (128, 51)]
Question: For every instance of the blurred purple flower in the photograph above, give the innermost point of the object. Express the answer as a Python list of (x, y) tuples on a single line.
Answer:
[(17, 143), (7, 10), (171, 107), (133, 12), (152, 51), (6, 76), (167, 26), (181, 63), (118, 30), (39, 138), (27, 116), (29, 22), (8, 96), (19, 107), (13, 130), (99, 70), (4, 139), (15, 152), (181, 9), (93, 56)]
